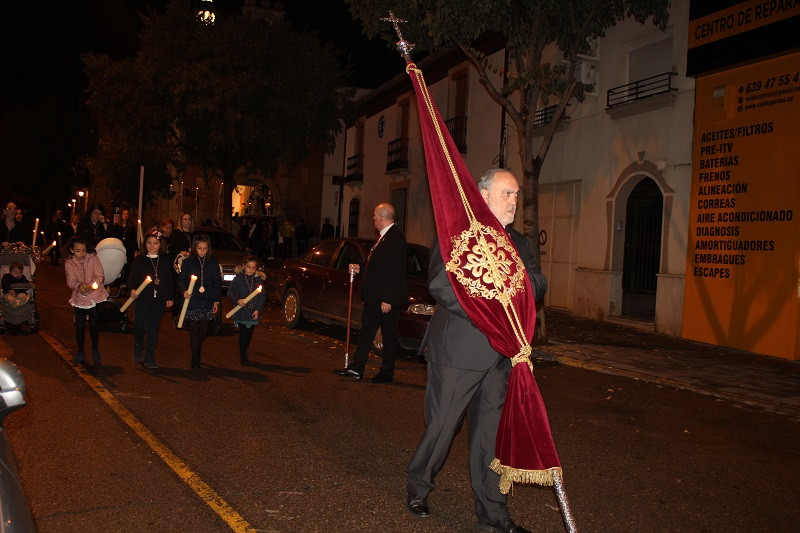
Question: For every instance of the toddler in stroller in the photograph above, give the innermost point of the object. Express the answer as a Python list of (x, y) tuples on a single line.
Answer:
[(18, 302)]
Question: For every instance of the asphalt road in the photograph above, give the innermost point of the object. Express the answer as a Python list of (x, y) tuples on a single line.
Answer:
[(285, 445)]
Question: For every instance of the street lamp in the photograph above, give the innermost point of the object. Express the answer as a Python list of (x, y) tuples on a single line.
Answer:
[(84, 196)]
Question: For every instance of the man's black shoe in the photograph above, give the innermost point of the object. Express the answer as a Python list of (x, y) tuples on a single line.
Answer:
[(380, 378), (506, 525), (418, 506), (348, 373)]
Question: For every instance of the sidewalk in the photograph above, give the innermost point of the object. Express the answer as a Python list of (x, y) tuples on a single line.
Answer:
[(740, 377), (766, 382)]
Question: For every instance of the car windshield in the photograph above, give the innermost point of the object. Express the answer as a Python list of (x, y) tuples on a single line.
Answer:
[(417, 261), (224, 241)]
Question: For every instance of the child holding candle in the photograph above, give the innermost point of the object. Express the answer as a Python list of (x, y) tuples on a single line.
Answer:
[(151, 261), (204, 300), (83, 270), (248, 278)]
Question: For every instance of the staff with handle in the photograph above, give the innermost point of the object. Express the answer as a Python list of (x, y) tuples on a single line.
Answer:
[(354, 269)]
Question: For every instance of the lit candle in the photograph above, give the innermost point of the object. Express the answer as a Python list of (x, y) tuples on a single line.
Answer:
[(140, 237), (186, 301), (94, 285), (35, 229), (139, 290), (48, 248), (250, 297)]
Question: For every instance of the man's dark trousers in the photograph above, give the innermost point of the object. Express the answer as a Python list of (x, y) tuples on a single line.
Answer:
[(371, 320)]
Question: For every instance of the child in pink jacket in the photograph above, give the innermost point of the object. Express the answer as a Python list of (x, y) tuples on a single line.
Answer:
[(85, 277)]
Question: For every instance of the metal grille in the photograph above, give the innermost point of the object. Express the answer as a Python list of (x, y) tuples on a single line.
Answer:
[(355, 168), (638, 90), (642, 249), (397, 154), (457, 126), (545, 115)]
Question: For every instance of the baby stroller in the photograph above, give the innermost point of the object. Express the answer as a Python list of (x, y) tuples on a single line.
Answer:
[(111, 253), (26, 313)]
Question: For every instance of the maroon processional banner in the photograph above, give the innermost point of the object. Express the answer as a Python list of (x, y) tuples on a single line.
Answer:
[(493, 287)]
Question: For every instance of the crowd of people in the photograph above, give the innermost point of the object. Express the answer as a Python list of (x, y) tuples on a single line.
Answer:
[(277, 237), (176, 264)]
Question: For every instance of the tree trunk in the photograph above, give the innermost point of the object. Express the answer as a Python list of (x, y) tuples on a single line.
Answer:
[(227, 201)]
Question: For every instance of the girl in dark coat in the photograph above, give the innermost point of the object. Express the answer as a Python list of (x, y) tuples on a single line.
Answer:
[(204, 301), (180, 242), (248, 278), (155, 297)]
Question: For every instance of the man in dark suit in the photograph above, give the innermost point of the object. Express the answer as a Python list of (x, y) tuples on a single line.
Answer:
[(466, 375), (383, 290)]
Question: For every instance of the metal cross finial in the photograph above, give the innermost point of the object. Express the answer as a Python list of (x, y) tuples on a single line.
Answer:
[(403, 46)]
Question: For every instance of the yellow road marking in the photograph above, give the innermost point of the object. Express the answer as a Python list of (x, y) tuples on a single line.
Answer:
[(234, 520)]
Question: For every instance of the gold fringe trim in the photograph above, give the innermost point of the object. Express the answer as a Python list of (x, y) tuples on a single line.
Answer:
[(509, 476)]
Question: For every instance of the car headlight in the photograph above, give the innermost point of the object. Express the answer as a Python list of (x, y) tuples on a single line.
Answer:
[(421, 309)]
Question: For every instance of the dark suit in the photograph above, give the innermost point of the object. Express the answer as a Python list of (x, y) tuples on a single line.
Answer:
[(465, 375), (384, 281)]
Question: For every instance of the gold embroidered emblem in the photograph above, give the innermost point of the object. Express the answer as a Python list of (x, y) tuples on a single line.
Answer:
[(486, 263)]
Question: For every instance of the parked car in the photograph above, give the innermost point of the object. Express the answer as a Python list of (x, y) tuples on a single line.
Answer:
[(317, 286), (228, 251), (15, 513)]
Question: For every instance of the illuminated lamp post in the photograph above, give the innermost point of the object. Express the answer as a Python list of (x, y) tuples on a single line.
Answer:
[(206, 12)]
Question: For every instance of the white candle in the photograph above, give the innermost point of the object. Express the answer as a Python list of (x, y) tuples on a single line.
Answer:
[(144, 284), (48, 248), (35, 229), (139, 236), (249, 297), (186, 301)]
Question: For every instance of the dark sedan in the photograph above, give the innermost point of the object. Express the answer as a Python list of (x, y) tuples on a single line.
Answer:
[(317, 286)]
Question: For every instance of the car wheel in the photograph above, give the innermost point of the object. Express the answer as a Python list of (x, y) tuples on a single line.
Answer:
[(377, 343), (34, 323), (292, 315)]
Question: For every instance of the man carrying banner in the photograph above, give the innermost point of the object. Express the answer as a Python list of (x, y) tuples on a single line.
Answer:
[(466, 375)]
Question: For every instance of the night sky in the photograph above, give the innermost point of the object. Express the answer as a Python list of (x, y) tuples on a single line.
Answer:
[(42, 45)]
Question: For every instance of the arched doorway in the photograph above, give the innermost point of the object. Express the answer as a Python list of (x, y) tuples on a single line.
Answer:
[(643, 222), (352, 217)]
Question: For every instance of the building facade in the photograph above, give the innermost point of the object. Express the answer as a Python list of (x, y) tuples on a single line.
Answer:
[(616, 189)]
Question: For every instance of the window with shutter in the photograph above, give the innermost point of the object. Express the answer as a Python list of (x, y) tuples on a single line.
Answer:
[(650, 60)]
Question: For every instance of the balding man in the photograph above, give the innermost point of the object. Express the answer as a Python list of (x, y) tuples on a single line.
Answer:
[(384, 291)]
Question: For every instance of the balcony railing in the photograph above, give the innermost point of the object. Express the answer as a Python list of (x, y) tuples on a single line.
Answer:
[(641, 89), (457, 126), (397, 154), (355, 168), (545, 116)]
